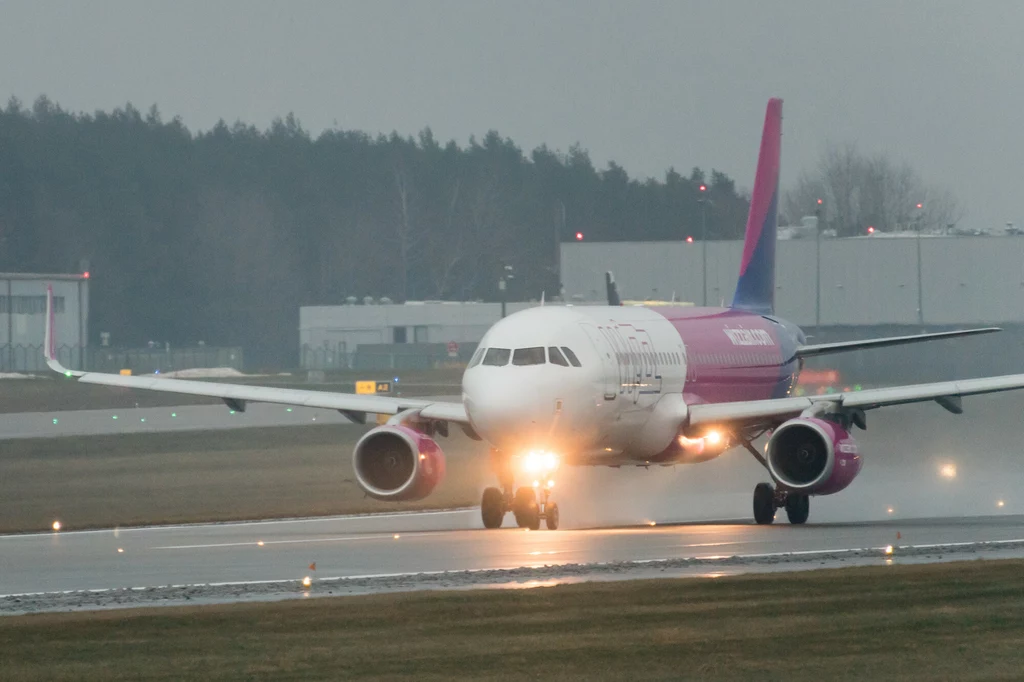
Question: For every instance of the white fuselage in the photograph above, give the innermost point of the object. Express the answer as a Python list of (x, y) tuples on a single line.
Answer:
[(586, 382)]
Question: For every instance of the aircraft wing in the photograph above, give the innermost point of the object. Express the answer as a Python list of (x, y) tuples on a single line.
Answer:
[(946, 393), (844, 346), (355, 407)]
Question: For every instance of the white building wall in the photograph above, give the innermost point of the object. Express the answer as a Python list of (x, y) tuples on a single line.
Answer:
[(966, 280)]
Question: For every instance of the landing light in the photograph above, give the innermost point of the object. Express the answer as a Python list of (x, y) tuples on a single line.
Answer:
[(307, 581), (948, 471), (551, 484), (1000, 503), (888, 549), (537, 461), (713, 438), (56, 525)]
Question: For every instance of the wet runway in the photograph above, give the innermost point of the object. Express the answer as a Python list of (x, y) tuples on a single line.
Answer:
[(228, 562)]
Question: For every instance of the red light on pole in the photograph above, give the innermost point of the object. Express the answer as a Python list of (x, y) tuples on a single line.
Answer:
[(689, 240), (871, 229), (579, 236), (920, 205), (819, 202), (85, 275), (703, 188)]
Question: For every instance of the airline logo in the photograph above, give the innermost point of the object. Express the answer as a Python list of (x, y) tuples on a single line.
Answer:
[(749, 337)]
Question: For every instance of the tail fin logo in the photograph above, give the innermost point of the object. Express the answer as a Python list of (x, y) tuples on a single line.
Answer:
[(755, 290)]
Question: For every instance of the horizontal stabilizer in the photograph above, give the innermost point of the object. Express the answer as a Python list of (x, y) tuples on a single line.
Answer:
[(844, 346)]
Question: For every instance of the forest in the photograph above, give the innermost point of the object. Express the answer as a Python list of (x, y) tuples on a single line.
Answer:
[(220, 235)]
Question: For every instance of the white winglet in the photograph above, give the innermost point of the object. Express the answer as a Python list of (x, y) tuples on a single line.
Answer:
[(50, 340)]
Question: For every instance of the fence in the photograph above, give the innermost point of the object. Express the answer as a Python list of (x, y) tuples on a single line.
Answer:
[(29, 358), (397, 356)]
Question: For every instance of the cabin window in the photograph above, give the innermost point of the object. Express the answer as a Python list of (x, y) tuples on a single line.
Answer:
[(477, 357), (573, 360), (497, 357), (555, 357), (529, 356)]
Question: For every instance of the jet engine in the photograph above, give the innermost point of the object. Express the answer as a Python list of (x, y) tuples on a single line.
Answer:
[(813, 456), (396, 463)]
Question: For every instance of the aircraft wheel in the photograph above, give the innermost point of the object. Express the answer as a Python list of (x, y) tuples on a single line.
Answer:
[(798, 508), (764, 503), (492, 508), (551, 515), (526, 509)]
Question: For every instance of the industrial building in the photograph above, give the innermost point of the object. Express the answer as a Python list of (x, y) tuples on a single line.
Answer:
[(863, 281), (415, 334), (23, 309)]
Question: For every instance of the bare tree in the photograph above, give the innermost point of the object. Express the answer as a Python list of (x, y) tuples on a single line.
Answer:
[(861, 191)]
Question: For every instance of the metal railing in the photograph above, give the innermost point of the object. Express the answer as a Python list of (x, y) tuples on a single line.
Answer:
[(29, 358)]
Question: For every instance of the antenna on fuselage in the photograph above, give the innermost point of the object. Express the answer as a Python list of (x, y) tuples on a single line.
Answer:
[(612, 289)]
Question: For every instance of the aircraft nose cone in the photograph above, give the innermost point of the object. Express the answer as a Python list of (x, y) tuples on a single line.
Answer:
[(508, 414)]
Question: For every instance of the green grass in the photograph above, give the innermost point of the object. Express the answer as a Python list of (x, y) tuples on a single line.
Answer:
[(134, 479), (961, 621)]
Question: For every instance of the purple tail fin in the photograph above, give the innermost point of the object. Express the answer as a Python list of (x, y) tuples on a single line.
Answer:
[(755, 290)]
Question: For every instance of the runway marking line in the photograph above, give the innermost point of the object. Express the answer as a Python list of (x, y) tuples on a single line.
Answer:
[(254, 543), (236, 524)]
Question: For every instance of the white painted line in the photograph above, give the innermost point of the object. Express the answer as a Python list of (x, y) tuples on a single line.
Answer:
[(265, 543), (237, 524)]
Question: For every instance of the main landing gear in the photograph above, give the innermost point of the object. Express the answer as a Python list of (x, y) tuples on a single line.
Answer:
[(529, 504), (767, 499)]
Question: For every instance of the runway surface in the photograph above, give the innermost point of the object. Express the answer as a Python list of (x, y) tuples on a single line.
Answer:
[(355, 554)]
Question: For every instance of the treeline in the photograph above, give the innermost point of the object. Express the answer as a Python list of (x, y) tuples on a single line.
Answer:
[(221, 235)]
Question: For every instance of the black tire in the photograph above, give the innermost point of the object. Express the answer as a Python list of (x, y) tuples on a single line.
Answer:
[(492, 508), (526, 509), (764, 504), (551, 515), (798, 508)]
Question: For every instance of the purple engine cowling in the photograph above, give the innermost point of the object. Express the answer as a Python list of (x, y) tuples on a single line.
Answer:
[(813, 456), (396, 463)]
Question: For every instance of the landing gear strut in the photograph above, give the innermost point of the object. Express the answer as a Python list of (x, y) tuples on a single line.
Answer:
[(767, 499), (530, 505)]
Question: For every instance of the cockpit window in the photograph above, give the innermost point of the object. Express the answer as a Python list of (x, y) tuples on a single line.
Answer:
[(572, 357), (477, 357), (555, 357), (528, 356), (497, 357)]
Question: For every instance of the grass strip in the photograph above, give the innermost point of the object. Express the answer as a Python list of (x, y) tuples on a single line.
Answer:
[(960, 621), (193, 476)]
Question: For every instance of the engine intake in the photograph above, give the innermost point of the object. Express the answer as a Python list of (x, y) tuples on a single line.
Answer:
[(396, 463), (813, 456)]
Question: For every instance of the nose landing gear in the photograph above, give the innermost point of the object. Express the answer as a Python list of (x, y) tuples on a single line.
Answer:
[(767, 499), (530, 505)]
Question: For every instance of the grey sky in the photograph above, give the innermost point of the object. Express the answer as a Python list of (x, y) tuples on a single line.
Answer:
[(649, 84)]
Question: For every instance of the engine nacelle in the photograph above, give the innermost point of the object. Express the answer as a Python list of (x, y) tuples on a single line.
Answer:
[(813, 456), (395, 463)]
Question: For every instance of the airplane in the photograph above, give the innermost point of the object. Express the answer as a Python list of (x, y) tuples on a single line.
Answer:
[(620, 386)]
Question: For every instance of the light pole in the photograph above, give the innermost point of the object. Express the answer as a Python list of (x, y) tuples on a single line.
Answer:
[(920, 290), (703, 201), (506, 274), (819, 214)]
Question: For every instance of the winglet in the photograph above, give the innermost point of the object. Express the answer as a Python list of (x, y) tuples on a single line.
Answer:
[(50, 340), (611, 289)]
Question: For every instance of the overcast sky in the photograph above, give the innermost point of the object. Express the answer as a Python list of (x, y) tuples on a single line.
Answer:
[(649, 84)]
